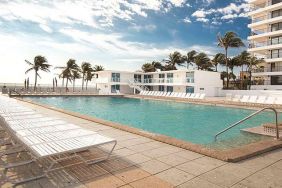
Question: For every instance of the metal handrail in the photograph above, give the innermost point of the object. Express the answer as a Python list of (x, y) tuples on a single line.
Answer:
[(250, 116)]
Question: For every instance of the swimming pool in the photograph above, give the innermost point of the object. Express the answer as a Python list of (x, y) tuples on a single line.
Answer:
[(189, 122)]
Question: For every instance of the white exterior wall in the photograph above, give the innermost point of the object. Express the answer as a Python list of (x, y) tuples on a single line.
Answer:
[(205, 81)]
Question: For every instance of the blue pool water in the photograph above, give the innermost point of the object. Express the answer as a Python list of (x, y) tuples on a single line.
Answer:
[(193, 123)]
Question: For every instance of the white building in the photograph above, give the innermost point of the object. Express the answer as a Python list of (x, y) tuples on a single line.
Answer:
[(266, 42), (188, 81)]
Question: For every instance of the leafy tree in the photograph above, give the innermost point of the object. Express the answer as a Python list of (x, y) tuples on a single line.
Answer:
[(85, 67), (174, 59), (229, 40), (39, 63), (217, 60), (203, 62), (148, 67), (190, 59)]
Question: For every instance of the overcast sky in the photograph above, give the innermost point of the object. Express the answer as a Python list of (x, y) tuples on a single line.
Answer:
[(117, 34)]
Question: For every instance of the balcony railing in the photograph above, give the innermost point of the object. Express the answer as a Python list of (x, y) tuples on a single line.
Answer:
[(263, 44), (268, 69), (261, 18)]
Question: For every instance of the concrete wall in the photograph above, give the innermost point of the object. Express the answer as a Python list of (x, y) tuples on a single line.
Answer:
[(222, 93)]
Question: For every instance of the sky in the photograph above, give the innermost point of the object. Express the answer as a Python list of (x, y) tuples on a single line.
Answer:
[(117, 34)]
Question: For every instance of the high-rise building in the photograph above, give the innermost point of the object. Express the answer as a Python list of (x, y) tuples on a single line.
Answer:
[(265, 41)]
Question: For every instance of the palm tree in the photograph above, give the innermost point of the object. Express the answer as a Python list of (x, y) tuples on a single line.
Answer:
[(174, 59), (157, 65), (253, 62), (218, 59), (191, 57), (202, 61), (234, 62), (85, 67), (67, 71), (39, 63), (148, 67), (75, 75), (98, 68), (89, 76), (229, 40)]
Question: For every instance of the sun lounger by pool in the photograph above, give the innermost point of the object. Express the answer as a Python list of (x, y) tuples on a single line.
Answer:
[(245, 98), (49, 138), (278, 101), (236, 98), (187, 95), (261, 99), (192, 96), (270, 100), (202, 96), (168, 94), (253, 99)]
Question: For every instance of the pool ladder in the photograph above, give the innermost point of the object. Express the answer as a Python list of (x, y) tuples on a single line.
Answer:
[(250, 116)]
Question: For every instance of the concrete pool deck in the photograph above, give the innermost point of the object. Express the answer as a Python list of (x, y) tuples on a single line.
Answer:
[(142, 162)]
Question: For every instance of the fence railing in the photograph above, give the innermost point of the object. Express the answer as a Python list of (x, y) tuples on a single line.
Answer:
[(268, 69)]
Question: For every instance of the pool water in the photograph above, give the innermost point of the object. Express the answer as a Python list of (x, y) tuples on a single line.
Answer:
[(189, 122)]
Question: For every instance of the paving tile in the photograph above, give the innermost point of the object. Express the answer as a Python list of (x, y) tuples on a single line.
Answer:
[(135, 141), (131, 174), (145, 146), (276, 154), (126, 186), (172, 159), (162, 151), (154, 166), (137, 158), (269, 177), (195, 168), (198, 183), (123, 152), (115, 164), (226, 175), (190, 155), (151, 182), (105, 181), (175, 176), (278, 165)]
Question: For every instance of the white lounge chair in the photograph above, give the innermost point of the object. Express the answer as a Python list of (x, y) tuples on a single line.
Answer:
[(202, 96), (278, 101), (253, 99), (245, 98), (168, 94), (197, 96), (187, 95), (261, 99), (236, 98), (183, 95), (270, 100), (192, 96)]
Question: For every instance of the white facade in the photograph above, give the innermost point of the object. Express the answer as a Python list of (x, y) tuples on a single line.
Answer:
[(178, 81), (266, 42)]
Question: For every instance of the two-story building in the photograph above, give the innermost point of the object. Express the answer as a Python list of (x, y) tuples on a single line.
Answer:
[(266, 42), (188, 81)]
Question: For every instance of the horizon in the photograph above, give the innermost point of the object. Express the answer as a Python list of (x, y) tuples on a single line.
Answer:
[(119, 35)]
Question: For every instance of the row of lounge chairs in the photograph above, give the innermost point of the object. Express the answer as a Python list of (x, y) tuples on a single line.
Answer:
[(174, 94), (270, 100), (47, 140)]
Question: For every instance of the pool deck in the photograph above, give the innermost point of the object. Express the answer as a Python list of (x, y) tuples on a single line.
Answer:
[(141, 162)]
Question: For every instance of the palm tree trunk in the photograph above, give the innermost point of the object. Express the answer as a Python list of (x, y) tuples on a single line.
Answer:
[(67, 84), (73, 84), (215, 68), (86, 84), (35, 81), (226, 64), (83, 80)]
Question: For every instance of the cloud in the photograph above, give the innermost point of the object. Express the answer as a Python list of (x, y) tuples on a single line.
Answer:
[(187, 20), (231, 11), (46, 28), (147, 28)]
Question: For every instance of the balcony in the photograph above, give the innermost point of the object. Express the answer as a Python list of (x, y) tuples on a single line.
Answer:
[(268, 69), (262, 7)]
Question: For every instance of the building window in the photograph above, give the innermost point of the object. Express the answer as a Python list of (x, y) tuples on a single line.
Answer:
[(161, 78), (150, 88), (276, 1), (115, 77), (161, 88), (276, 80), (276, 40), (189, 89), (169, 77), (137, 78), (190, 77), (169, 88), (148, 78), (276, 26), (115, 88), (276, 53), (276, 13)]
